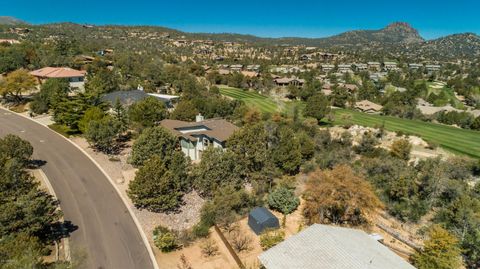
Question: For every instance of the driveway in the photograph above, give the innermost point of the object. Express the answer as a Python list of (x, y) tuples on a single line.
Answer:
[(106, 234)]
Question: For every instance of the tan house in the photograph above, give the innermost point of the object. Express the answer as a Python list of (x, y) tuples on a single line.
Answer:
[(196, 137), (75, 77), (368, 107), (283, 82)]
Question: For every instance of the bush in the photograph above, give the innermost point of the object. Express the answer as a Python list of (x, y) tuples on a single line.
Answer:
[(209, 248), (202, 229), (164, 239), (271, 238), (283, 200)]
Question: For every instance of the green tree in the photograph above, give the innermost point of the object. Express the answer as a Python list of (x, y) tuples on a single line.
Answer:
[(283, 200), (91, 114), (147, 112), (153, 141), (13, 147), (285, 150), (17, 83), (155, 187), (102, 134), (250, 144), (317, 107), (185, 110), (440, 251), (218, 168), (101, 81), (52, 91)]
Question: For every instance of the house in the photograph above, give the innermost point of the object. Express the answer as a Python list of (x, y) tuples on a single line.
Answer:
[(390, 66), (374, 66), (261, 219), (331, 247), (414, 66), (360, 67), (236, 67), (127, 98), (283, 82), (327, 67), (368, 107), (9, 41), (195, 137), (432, 68), (253, 67), (250, 74), (344, 68), (75, 77)]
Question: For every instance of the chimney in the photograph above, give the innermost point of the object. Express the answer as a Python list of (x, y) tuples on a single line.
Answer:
[(199, 118)]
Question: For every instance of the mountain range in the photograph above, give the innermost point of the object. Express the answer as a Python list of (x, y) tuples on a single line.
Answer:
[(399, 37), (6, 20)]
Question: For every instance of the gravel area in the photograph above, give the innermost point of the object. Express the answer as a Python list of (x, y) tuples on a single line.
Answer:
[(122, 173)]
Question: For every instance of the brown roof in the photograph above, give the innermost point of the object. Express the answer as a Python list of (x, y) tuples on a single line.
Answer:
[(219, 129), (366, 105), (57, 72)]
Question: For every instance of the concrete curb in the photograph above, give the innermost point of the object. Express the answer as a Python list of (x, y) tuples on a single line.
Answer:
[(135, 220), (66, 241)]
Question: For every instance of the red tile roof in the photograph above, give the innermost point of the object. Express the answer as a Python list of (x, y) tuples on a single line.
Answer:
[(57, 72)]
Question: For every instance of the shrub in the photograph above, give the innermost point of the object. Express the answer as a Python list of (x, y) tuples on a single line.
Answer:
[(283, 200), (271, 238), (209, 248), (164, 239)]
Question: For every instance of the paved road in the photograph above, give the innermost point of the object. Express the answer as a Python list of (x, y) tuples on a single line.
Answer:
[(106, 232)]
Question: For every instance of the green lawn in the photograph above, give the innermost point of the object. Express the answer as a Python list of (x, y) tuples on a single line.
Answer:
[(252, 99), (456, 140)]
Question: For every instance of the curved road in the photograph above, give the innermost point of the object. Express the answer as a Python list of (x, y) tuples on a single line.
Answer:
[(106, 232)]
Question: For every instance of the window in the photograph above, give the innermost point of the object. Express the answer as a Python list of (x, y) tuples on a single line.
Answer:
[(206, 142)]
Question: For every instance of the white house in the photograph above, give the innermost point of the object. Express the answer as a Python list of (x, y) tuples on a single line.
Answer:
[(195, 137)]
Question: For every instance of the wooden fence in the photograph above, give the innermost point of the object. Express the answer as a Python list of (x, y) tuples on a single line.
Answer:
[(229, 247)]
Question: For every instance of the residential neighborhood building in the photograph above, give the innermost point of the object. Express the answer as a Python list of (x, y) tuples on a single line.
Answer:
[(374, 66), (196, 137), (327, 67), (390, 66), (332, 247), (432, 68), (360, 67), (283, 82), (76, 78), (368, 107), (127, 98), (236, 67), (344, 68), (414, 66)]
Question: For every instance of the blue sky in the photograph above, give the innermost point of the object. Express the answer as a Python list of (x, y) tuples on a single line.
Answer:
[(264, 18)]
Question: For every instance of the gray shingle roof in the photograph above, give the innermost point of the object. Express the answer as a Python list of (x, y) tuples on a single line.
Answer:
[(330, 247)]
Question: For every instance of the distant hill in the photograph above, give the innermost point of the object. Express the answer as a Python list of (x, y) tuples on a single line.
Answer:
[(465, 45), (6, 20)]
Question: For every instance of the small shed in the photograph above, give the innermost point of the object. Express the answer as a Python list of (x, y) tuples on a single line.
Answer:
[(260, 219)]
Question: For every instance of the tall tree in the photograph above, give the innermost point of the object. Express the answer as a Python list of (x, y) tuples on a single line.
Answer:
[(147, 113), (218, 168), (153, 141), (317, 107), (155, 187)]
